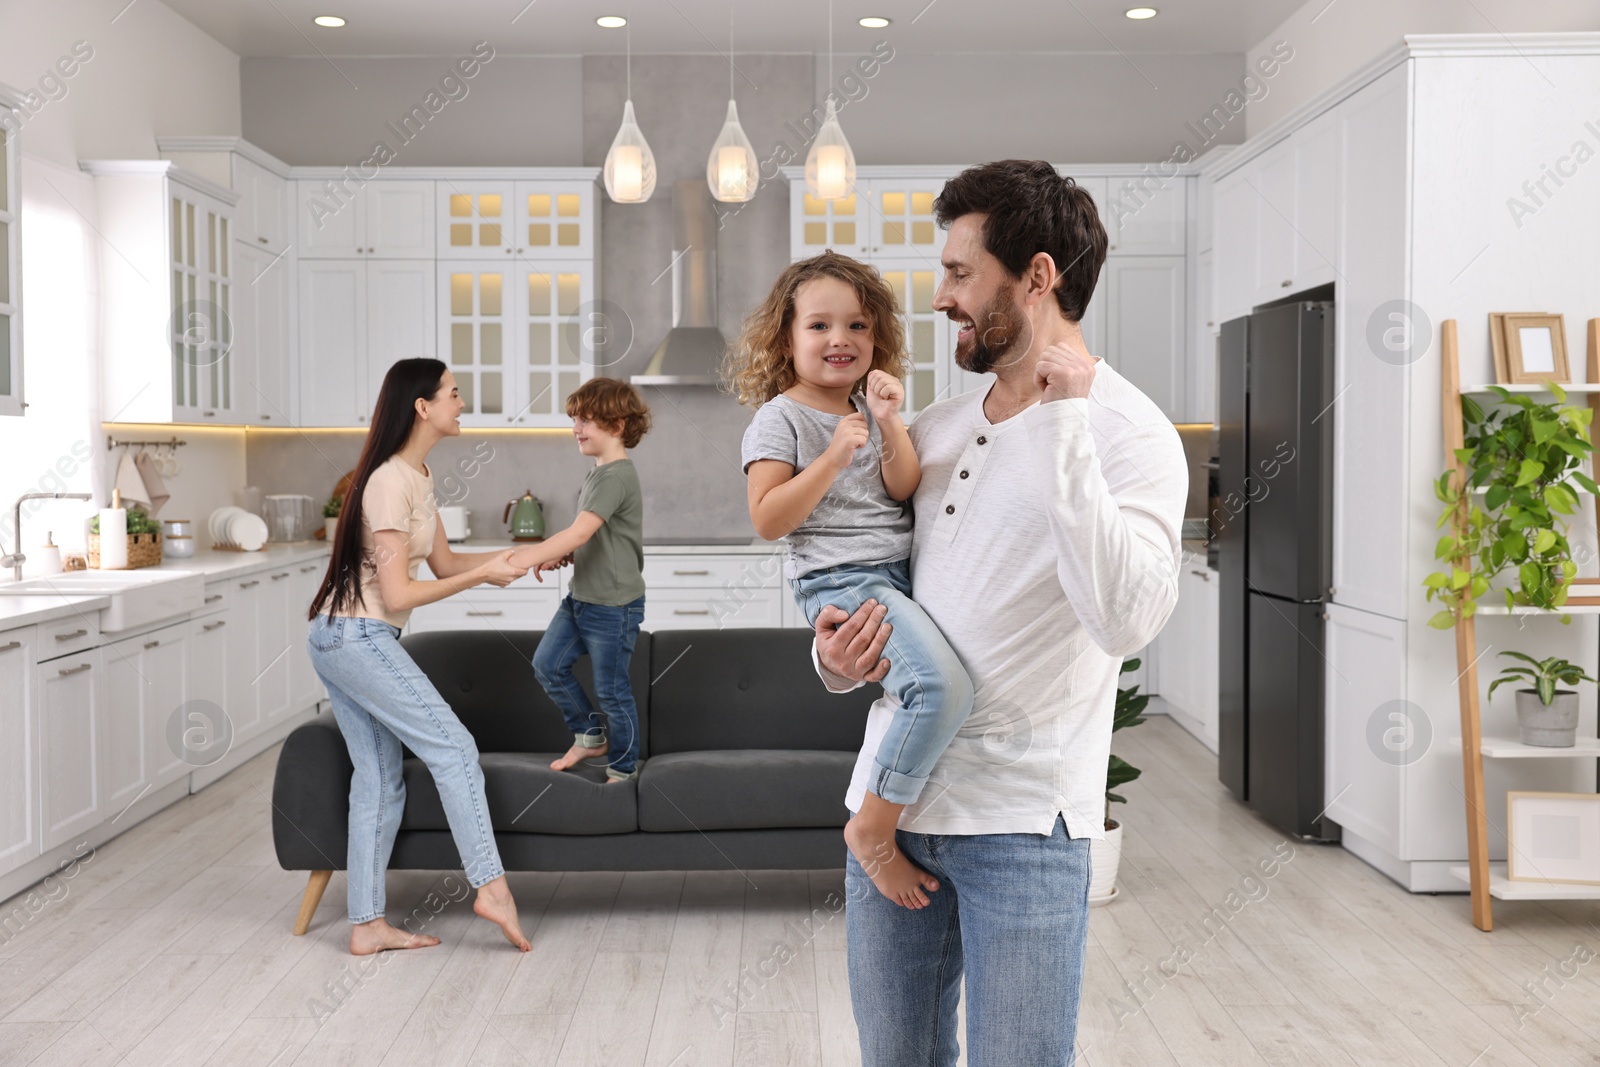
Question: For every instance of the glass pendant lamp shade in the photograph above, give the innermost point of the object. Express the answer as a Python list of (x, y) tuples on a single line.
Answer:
[(732, 170), (630, 170), (830, 165)]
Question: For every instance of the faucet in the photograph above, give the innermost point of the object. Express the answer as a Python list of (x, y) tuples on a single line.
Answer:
[(16, 559)]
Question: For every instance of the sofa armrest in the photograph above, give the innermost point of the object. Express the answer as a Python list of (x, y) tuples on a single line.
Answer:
[(311, 799)]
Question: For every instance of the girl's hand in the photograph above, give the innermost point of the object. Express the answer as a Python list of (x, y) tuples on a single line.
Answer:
[(885, 394), (851, 434), (500, 570)]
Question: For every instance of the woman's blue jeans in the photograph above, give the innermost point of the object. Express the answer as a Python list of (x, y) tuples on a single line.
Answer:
[(381, 701), (607, 634), (933, 688)]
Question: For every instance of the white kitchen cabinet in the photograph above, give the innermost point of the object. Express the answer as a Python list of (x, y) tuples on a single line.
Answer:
[(1145, 326), (1235, 210), (207, 720), (844, 225), (261, 349), (488, 608), (167, 295), (239, 638), (72, 771), (1187, 651), (305, 688), (709, 591), (1202, 369), (901, 223), (399, 320), (930, 336), (356, 318), (273, 645), (11, 402), (19, 779), (383, 219), (146, 682), (544, 219), (263, 218), (1146, 216), (1372, 732)]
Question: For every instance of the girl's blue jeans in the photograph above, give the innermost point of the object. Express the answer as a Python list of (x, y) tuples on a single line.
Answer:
[(608, 635)]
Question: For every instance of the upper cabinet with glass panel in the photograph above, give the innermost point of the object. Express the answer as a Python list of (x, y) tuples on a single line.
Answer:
[(539, 219), (11, 402)]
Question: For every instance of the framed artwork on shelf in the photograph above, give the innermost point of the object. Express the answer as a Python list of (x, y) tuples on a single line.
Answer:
[(1553, 837), (1534, 345)]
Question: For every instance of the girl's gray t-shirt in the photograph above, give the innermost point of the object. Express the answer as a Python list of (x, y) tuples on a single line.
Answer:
[(855, 521)]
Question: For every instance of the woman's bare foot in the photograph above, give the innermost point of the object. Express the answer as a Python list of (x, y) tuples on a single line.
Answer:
[(494, 903), (870, 837), (379, 936), (576, 755)]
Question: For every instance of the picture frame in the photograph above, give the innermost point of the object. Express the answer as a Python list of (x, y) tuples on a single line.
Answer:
[(1535, 347), (1497, 346), (1553, 837)]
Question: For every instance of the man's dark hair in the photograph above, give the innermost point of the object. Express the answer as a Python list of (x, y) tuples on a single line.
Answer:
[(1032, 209)]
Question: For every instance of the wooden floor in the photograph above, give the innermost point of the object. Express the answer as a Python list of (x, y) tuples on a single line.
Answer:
[(172, 947)]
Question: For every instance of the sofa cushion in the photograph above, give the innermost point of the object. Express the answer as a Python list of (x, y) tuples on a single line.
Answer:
[(525, 794), (486, 676), (747, 689), (743, 790)]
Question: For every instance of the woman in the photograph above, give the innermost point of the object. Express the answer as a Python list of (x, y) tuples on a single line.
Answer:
[(381, 699)]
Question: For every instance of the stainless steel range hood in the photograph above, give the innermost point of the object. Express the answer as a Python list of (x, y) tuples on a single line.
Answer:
[(691, 353)]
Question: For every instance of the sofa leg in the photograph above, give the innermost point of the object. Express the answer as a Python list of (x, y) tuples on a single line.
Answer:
[(308, 903)]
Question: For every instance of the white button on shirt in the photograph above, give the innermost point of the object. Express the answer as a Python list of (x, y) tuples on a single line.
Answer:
[(1046, 549)]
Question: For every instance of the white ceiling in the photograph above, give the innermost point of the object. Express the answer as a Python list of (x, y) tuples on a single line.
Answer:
[(434, 27)]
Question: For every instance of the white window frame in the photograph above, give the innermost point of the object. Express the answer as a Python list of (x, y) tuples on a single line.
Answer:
[(13, 403)]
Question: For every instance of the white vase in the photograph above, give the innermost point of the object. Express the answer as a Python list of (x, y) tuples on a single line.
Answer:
[(329, 526), (1104, 857)]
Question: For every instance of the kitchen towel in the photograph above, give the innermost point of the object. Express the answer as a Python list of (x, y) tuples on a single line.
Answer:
[(155, 489), (130, 484)]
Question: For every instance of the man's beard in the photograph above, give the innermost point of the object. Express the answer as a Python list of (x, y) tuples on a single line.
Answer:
[(996, 331)]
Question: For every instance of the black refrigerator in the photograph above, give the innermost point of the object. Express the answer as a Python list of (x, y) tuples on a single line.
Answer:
[(1273, 528)]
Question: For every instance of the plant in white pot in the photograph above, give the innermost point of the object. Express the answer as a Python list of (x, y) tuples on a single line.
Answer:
[(1546, 716), (1105, 856), (330, 517)]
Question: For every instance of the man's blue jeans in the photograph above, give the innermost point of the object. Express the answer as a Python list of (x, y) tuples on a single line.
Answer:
[(925, 674), (607, 634), (1011, 913)]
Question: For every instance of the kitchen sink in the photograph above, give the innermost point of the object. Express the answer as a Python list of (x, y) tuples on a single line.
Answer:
[(138, 597)]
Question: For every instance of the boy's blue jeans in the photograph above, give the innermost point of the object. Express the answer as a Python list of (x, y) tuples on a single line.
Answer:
[(934, 690), (607, 634)]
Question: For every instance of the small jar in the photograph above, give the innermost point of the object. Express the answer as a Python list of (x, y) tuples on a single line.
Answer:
[(177, 527), (177, 546)]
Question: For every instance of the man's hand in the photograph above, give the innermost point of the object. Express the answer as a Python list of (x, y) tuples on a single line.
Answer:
[(851, 646), (885, 393), (1064, 373)]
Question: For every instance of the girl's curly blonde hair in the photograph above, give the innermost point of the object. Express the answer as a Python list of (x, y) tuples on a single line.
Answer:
[(760, 365)]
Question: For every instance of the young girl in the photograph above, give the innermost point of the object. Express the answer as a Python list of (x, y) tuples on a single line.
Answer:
[(830, 466), (601, 615)]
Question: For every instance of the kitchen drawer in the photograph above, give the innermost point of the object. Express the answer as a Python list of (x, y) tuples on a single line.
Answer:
[(75, 633), (491, 609), (712, 609), (763, 571), (217, 596)]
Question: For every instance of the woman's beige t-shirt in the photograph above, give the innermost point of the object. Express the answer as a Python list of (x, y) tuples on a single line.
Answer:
[(397, 497)]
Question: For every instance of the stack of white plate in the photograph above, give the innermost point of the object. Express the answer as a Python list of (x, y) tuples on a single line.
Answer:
[(233, 527)]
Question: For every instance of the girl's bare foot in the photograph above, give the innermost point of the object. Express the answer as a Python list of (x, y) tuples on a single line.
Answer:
[(870, 836), (494, 903), (379, 936), (576, 755)]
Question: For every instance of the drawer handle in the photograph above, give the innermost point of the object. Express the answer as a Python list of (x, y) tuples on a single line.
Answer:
[(208, 627), (79, 669), (69, 637), (1202, 575), (1286, 283), (691, 572), (249, 585), (308, 570), (280, 577), (9, 645), (263, 240), (495, 612), (152, 644), (213, 598), (681, 611)]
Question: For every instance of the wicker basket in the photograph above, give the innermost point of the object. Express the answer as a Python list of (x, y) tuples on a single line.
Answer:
[(144, 550)]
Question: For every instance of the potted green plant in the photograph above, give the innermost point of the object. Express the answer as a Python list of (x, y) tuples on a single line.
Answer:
[(330, 516), (1522, 460), (1546, 716), (1106, 856)]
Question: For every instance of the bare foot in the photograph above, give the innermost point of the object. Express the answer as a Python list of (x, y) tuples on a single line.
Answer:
[(379, 936), (870, 837), (494, 903), (576, 755), (616, 781)]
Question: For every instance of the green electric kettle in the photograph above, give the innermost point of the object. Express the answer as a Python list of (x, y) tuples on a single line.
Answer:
[(525, 518)]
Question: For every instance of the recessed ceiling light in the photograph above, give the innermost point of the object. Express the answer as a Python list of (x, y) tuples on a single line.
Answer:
[(873, 22), (1140, 13), (331, 21), (611, 22)]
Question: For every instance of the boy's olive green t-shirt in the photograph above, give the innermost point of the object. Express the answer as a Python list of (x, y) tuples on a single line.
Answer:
[(608, 569)]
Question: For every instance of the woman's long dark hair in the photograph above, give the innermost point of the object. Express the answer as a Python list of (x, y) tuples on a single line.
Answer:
[(408, 381)]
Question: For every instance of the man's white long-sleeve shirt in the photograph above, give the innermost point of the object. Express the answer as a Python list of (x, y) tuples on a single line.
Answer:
[(1046, 549)]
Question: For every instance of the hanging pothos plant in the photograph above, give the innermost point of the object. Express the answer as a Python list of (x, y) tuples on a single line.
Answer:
[(1523, 459)]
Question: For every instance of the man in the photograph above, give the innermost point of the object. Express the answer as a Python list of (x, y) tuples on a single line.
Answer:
[(1046, 548)]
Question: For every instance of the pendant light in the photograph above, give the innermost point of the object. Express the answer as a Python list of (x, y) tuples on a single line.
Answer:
[(732, 170), (630, 170), (830, 165)]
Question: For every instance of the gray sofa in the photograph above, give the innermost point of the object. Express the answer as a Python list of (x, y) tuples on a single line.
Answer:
[(746, 762)]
